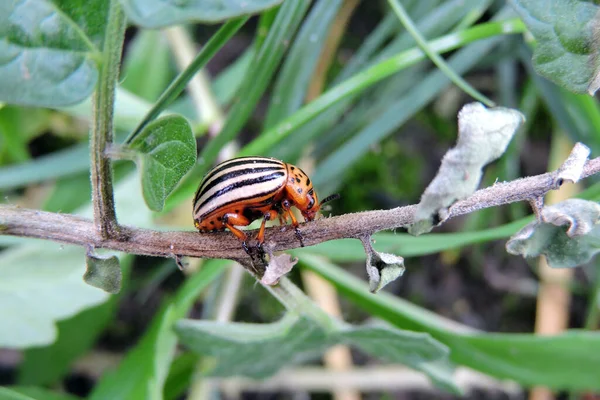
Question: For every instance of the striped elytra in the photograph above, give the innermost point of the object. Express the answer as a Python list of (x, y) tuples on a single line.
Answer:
[(239, 191)]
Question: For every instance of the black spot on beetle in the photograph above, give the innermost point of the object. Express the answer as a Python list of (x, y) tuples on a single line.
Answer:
[(307, 181), (298, 180), (293, 168), (219, 218), (212, 222)]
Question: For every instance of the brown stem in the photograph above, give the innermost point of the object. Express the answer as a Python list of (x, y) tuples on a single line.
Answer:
[(72, 229)]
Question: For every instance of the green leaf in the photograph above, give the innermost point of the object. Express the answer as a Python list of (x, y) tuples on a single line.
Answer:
[(577, 115), (39, 285), (103, 273), (90, 16), (260, 350), (40, 282), (32, 393), (166, 150), (567, 41), (561, 362), (563, 246), (76, 336), (414, 349), (146, 68), (45, 58), (157, 13), (483, 135), (141, 375)]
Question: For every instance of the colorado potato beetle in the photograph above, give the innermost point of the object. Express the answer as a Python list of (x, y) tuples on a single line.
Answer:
[(241, 190)]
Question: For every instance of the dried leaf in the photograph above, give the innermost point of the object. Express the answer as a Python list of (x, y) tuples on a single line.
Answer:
[(568, 234), (572, 168), (278, 266), (483, 135), (382, 268)]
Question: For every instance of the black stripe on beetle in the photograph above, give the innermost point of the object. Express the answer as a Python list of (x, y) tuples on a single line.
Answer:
[(234, 163), (243, 180), (234, 174), (238, 185), (259, 195)]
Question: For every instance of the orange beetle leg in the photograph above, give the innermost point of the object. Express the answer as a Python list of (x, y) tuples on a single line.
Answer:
[(282, 219), (288, 208), (269, 215), (231, 219)]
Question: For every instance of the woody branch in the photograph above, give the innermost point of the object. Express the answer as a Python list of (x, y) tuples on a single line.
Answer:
[(71, 229)]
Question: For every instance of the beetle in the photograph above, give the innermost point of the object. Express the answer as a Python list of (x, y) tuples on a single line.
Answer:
[(239, 191)]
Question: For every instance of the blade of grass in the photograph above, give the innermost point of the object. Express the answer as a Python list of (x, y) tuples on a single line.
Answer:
[(356, 84), (432, 23), (215, 43), (477, 10), (227, 83), (525, 358), (406, 245), (398, 113), (264, 65), (434, 56), (374, 74), (368, 109), (293, 80), (59, 164)]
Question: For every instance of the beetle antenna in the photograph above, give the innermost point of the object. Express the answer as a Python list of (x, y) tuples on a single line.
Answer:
[(329, 198)]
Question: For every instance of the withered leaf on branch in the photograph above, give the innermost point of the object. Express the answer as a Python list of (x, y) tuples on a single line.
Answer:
[(483, 135), (568, 234), (382, 268)]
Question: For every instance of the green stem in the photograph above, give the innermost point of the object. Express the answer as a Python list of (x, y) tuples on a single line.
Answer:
[(178, 85), (102, 134), (434, 56), (294, 300), (374, 74)]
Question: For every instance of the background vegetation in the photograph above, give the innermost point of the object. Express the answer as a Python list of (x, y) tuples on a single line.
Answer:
[(340, 88)]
